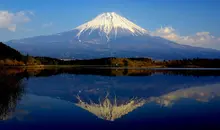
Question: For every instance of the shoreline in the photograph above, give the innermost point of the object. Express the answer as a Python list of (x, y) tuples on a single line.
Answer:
[(106, 67)]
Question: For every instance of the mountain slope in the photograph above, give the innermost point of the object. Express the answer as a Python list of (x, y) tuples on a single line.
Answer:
[(108, 35), (109, 26), (7, 52), (12, 57)]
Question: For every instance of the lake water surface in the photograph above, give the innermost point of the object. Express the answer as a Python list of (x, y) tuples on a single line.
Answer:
[(114, 100)]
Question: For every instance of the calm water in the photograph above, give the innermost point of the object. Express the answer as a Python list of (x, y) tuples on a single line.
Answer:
[(153, 100)]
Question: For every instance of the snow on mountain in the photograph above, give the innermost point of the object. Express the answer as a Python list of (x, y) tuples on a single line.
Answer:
[(123, 38), (103, 28), (110, 25)]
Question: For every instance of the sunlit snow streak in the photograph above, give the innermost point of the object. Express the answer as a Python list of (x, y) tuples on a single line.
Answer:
[(109, 24)]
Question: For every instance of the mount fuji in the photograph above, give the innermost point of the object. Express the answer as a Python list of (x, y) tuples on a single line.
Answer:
[(108, 35)]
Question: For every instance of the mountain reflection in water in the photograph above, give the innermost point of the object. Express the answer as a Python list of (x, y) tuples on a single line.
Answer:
[(110, 95), (110, 110)]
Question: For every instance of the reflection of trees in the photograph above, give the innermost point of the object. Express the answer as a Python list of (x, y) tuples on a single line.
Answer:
[(11, 90), (105, 71), (110, 110), (122, 72)]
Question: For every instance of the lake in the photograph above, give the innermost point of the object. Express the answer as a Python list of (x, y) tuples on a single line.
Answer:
[(110, 99)]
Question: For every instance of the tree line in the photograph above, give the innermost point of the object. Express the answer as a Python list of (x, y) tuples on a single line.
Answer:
[(12, 57)]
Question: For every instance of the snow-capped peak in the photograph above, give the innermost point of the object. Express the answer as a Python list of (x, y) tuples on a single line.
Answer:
[(110, 23)]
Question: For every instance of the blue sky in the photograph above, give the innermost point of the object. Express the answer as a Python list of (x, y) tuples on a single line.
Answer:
[(180, 17)]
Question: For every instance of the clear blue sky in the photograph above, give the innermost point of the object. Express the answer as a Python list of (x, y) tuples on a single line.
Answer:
[(53, 16)]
